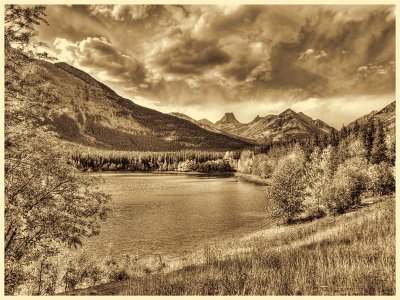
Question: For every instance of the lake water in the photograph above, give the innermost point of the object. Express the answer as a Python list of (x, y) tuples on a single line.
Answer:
[(174, 214)]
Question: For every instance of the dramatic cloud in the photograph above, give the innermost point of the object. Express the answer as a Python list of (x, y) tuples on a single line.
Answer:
[(122, 12), (205, 58), (184, 55), (98, 56)]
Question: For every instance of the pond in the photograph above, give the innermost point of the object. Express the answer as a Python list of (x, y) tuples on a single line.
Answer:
[(173, 214)]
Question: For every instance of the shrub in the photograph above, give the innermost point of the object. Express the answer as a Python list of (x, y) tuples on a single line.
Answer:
[(186, 166), (347, 185), (381, 179), (261, 166), (112, 269)]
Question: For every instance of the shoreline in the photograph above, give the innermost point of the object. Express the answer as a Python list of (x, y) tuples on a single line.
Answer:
[(245, 177), (253, 178), (160, 172)]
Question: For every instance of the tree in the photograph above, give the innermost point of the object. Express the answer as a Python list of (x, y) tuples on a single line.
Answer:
[(378, 150), (381, 179), (356, 129), (286, 191), (343, 132), (391, 149), (48, 203), (19, 29), (320, 171), (333, 138), (367, 136), (245, 164)]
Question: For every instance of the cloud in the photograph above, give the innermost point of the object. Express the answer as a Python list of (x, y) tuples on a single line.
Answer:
[(101, 58), (122, 12), (179, 54), (331, 47), (205, 58)]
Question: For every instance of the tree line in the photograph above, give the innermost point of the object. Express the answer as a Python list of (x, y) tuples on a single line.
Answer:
[(182, 161)]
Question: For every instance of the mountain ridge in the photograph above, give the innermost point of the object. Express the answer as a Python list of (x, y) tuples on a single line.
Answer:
[(82, 110), (287, 125)]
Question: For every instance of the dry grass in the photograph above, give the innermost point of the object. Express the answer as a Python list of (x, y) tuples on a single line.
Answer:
[(352, 254)]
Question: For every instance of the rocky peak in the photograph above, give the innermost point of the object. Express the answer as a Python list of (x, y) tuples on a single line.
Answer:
[(287, 112), (228, 118)]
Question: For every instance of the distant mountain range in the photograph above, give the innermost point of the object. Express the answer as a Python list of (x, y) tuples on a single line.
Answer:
[(287, 125), (85, 111)]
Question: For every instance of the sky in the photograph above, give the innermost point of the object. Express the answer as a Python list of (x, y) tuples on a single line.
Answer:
[(334, 63)]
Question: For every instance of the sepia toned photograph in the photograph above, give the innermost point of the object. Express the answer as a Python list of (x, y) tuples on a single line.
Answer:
[(198, 150)]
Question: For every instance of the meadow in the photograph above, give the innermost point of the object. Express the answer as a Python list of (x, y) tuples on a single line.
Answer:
[(349, 254)]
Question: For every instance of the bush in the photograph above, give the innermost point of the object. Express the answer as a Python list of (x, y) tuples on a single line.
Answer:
[(261, 166), (286, 192), (381, 179), (347, 185)]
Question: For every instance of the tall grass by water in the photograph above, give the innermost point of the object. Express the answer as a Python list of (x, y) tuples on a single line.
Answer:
[(351, 254)]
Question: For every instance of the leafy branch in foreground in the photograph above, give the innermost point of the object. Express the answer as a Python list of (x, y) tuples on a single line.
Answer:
[(20, 32)]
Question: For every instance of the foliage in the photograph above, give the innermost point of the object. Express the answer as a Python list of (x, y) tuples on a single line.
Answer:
[(49, 205), (378, 150), (245, 164), (19, 29), (44, 279), (320, 170), (347, 185), (381, 179), (262, 167), (286, 192)]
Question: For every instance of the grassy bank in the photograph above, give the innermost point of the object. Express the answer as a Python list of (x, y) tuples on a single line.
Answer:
[(253, 178), (351, 254)]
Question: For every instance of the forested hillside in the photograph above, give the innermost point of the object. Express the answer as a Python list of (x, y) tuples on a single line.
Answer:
[(82, 110)]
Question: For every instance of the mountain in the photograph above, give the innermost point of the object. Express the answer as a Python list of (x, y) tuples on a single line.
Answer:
[(82, 110), (386, 115), (228, 118), (287, 125), (198, 123), (206, 122), (208, 126), (228, 123)]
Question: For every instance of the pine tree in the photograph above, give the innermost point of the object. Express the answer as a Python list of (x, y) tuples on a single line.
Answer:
[(378, 149), (367, 137), (333, 138), (356, 129), (343, 132)]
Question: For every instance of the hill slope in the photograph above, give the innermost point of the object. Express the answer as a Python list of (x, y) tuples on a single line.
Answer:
[(85, 111)]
